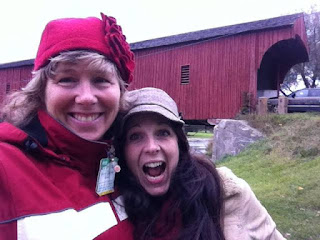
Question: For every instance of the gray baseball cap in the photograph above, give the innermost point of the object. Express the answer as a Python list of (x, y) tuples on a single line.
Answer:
[(152, 100)]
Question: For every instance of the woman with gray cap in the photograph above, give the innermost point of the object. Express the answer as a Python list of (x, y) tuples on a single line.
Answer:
[(170, 193)]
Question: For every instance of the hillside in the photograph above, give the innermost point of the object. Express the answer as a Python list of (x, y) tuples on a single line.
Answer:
[(284, 171)]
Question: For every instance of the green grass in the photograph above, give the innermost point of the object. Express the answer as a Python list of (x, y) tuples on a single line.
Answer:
[(284, 172), (201, 134)]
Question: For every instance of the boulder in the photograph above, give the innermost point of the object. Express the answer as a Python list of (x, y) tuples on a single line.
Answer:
[(231, 137)]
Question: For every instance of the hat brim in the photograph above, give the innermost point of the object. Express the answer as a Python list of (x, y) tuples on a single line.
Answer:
[(153, 109)]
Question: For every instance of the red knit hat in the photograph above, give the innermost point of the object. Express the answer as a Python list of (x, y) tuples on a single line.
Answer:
[(103, 36)]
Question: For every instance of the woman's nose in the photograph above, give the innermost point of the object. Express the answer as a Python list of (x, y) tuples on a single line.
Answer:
[(152, 146), (85, 94)]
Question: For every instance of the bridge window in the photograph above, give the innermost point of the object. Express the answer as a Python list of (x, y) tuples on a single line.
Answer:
[(185, 74), (8, 88)]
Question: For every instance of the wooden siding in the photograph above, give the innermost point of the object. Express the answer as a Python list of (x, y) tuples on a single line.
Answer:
[(15, 77), (299, 28), (221, 70)]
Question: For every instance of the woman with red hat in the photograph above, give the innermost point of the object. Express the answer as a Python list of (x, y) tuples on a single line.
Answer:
[(57, 162)]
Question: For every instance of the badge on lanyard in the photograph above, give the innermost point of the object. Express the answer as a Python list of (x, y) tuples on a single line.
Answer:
[(107, 171)]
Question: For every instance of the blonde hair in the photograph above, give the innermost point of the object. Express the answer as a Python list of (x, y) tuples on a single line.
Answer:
[(21, 106)]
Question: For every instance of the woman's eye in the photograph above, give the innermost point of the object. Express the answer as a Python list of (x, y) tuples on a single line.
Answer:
[(134, 137), (101, 80), (66, 81), (163, 133)]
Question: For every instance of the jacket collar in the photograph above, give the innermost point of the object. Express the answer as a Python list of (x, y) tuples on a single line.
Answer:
[(48, 140), (35, 130), (74, 150)]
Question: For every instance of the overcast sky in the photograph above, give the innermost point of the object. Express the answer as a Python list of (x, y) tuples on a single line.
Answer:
[(22, 21)]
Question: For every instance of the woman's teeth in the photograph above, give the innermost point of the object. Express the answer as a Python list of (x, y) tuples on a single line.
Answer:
[(86, 118), (153, 165), (154, 169)]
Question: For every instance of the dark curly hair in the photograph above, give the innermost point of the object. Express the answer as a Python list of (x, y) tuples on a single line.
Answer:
[(191, 209)]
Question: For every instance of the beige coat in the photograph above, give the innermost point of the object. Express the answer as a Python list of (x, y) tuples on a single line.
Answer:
[(244, 217)]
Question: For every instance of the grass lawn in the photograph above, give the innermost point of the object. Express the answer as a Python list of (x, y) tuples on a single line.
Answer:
[(284, 172), (200, 134)]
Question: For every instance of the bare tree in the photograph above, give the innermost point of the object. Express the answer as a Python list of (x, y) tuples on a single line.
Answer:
[(308, 72)]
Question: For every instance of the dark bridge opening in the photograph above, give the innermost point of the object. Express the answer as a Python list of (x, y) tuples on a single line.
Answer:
[(277, 61)]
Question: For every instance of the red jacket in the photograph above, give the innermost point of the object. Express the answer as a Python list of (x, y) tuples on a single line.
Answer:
[(47, 185)]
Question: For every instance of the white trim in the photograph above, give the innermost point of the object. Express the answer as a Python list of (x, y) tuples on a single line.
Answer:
[(69, 224)]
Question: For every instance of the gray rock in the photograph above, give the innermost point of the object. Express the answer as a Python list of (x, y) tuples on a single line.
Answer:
[(231, 137)]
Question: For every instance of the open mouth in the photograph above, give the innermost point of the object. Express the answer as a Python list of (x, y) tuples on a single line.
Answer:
[(86, 117), (154, 169)]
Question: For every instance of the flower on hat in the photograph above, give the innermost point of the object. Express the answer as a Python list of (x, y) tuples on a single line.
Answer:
[(120, 49)]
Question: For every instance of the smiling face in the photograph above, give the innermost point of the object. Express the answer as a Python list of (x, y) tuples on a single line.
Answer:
[(151, 151), (83, 98)]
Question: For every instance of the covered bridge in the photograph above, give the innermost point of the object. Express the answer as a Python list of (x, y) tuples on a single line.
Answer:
[(212, 73)]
